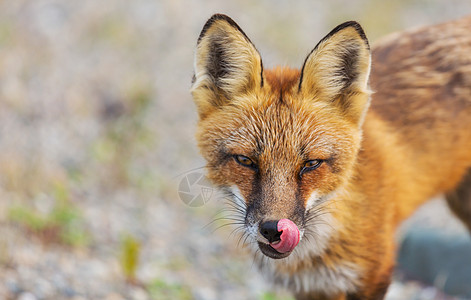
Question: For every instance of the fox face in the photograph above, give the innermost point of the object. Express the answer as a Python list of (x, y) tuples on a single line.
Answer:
[(283, 142)]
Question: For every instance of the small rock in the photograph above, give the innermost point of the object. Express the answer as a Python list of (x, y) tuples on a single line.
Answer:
[(27, 296), (138, 294), (69, 292), (204, 293), (114, 296), (13, 287)]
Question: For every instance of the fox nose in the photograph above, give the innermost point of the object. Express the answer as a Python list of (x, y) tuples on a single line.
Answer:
[(269, 230)]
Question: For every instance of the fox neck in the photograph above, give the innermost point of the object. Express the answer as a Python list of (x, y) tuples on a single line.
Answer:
[(346, 217)]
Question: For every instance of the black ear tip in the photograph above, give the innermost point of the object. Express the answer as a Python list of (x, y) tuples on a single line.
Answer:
[(214, 18), (353, 24), (217, 17), (220, 17)]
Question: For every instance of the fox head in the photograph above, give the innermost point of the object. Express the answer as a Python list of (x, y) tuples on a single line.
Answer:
[(283, 143)]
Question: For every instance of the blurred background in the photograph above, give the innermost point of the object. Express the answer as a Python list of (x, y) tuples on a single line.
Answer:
[(98, 163)]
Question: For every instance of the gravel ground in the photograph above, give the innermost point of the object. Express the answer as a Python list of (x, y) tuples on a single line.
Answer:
[(96, 134)]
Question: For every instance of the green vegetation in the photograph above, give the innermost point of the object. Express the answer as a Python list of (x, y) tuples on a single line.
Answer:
[(273, 296), (5, 258), (63, 224), (126, 138), (161, 290), (129, 259)]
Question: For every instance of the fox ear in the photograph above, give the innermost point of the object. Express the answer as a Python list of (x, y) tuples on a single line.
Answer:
[(227, 64), (337, 71)]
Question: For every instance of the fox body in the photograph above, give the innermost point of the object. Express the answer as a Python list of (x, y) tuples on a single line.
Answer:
[(306, 147)]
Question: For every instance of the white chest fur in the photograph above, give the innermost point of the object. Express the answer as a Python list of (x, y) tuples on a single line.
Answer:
[(343, 277)]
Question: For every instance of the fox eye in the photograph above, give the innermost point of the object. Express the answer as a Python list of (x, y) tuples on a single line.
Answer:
[(244, 161), (311, 165)]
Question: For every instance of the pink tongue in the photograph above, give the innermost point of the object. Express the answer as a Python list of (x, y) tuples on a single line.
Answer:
[(289, 237)]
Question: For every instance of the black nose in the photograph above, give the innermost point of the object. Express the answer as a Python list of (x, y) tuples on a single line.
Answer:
[(270, 231)]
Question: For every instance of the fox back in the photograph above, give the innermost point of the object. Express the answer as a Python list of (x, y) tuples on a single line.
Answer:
[(320, 179)]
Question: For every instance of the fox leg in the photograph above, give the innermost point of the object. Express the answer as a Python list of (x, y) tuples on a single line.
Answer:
[(378, 294), (319, 297), (459, 200)]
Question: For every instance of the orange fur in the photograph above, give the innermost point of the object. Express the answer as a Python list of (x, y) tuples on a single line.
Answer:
[(378, 164)]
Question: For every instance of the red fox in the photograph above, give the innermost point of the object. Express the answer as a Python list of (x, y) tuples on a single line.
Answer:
[(320, 177)]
